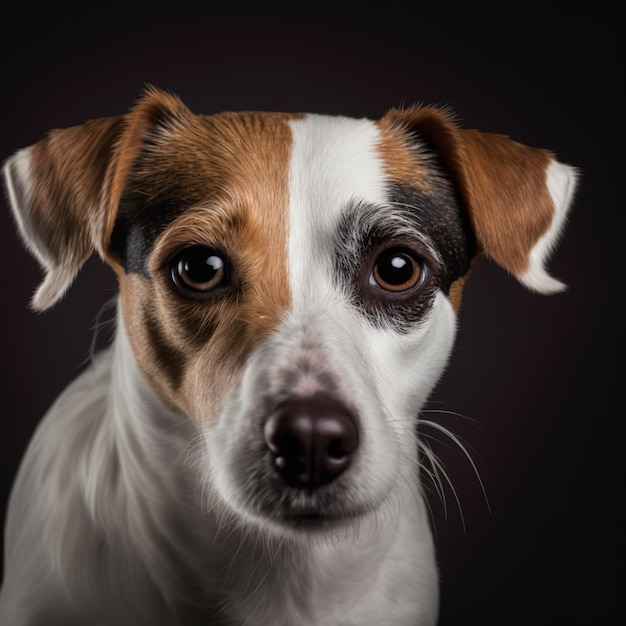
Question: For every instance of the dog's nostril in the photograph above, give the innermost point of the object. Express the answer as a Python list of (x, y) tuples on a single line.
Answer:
[(312, 440)]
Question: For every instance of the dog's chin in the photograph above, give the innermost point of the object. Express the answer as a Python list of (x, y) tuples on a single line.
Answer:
[(313, 525)]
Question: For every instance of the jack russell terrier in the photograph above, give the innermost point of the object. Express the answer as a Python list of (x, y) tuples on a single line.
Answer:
[(247, 452)]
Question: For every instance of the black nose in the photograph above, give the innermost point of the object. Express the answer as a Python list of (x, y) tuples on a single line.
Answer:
[(312, 440)]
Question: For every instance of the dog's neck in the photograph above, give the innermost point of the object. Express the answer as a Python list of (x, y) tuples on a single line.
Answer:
[(157, 454)]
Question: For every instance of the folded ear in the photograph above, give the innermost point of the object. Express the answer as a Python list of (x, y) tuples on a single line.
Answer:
[(56, 191), (517, 197), (64, 190)]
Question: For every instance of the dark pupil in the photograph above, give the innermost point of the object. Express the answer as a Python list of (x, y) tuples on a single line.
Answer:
[(201, 266), (395, 269)]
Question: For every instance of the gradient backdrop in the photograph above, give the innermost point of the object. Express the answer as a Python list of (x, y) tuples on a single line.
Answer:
[(533, 385)]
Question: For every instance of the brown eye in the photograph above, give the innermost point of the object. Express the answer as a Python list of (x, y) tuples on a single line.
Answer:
[(199, 269), (396, 270)]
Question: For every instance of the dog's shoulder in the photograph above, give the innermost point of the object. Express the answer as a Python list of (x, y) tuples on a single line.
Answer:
[(48, 514)]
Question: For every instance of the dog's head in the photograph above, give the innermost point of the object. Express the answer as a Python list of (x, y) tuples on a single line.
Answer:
[(290, 282)]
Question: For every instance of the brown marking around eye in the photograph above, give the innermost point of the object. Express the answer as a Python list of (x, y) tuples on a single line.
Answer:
[(195, 350)]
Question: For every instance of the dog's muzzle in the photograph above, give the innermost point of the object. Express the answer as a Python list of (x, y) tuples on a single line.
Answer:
[(311, 440)]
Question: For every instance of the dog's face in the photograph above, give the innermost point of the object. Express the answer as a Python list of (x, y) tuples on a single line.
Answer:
[(290, 282)]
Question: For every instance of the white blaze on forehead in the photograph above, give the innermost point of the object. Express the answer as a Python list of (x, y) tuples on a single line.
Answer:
[(334, 161)]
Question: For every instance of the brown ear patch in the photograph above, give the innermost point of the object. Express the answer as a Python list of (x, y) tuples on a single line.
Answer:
[(68, 170), (505, 186), (56, 192), (507, 189), (65, 189)]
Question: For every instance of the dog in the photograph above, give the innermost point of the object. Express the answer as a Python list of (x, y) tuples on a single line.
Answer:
[(246, 451)]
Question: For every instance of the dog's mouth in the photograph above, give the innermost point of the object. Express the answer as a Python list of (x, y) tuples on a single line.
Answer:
[(306, 510), (311, 521), (317, 515)]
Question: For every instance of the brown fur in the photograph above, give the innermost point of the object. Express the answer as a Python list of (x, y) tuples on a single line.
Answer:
[(502, 182), (505, 187), (400, 162), (68, 168), (244, 216)]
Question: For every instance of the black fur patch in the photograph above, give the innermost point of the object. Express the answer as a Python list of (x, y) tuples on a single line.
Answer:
[(140, 221), (418, 221)]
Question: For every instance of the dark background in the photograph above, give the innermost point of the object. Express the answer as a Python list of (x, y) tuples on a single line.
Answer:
[(533, 387)]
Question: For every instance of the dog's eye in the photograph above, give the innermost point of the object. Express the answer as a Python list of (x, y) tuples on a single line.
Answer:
[(396, 270), (199, 270)]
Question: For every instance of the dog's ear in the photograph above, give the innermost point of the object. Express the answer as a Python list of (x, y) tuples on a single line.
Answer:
[(517, 197), (65, 189)]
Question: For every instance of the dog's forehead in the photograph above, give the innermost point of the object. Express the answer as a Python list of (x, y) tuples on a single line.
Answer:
[(335, 160), (261, 166)]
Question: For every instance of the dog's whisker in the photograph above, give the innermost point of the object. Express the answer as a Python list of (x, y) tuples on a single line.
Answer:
[(440, 469), (429, 509), (418, 485), (434, 478), (461, 446), (462, 416), (432, 475)]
